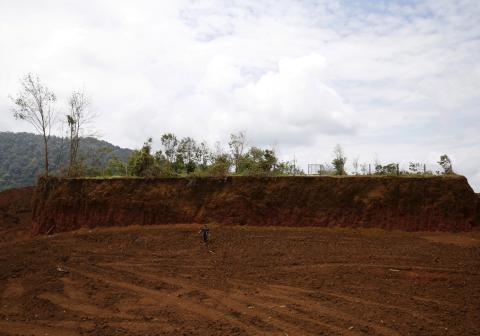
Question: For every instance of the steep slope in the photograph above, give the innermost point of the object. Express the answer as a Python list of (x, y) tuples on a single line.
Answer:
[(435, 203), (15, 213)]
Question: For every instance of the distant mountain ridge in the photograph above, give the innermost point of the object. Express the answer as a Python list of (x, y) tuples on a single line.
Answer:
[(21, 156)]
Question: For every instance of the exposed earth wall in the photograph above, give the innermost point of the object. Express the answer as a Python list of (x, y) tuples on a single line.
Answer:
[(406, 203)]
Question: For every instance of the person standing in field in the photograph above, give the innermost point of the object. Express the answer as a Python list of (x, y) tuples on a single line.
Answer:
[(204, 231)]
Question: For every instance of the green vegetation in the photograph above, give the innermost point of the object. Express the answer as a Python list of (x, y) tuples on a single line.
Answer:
[(446, 164), (337, 167), (339, 160), (35, 103), (24, 156), (184, 157), (22, 161)]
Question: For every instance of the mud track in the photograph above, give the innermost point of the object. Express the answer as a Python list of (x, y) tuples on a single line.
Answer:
[(162, 280)]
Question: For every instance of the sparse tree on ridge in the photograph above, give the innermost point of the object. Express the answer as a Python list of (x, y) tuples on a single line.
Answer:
[(258, 161), (170, 143), (446, 164), (78, 116), (414, 167), (141, 162), (204, 155), (339, 160), (220, 162), (237, 145), (364, 168), (188, 154), (388, 169), (355, 165), (220, 165), (35, 103)]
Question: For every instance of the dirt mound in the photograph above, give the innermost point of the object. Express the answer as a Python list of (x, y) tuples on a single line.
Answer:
[(436, 203), (15, 212)]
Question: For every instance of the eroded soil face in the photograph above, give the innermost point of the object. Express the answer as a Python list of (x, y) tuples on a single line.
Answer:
[(162, 280), (444, 203)]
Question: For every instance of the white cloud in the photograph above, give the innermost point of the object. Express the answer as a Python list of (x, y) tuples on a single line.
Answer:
[(288, 104)]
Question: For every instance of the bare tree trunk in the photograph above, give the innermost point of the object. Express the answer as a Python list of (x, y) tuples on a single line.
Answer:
[(70, 164), (77, 118), (35, 103), (45, 141)]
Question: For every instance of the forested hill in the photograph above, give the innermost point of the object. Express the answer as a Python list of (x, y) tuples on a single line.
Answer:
[(21, 156)]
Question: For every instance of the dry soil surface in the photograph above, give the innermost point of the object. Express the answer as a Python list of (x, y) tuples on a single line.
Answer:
[(162, 280)]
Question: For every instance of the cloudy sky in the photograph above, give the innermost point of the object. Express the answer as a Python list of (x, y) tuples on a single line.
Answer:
[(393, 81)]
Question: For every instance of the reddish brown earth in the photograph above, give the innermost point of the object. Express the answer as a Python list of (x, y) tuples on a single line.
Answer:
[(162, 280), (435, 203), (15, 213)]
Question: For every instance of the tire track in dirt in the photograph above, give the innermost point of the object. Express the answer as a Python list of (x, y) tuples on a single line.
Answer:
[(288, 313), (435, 301), (450, 305), (383, 266), (223, 301), (293, 292), (356, 300), (294, 297), (33, 329), (75, 299), (236, 301), (249, 286), (250, 307), (175, 299), (334, 313), (68, 303)]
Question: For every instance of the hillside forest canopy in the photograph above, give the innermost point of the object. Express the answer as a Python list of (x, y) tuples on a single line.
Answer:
[(22, 161)]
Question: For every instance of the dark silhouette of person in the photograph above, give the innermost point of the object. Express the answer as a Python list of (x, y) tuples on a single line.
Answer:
[(204, 231)]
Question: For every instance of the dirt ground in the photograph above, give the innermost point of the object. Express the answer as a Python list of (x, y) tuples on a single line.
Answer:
[(162, 280)]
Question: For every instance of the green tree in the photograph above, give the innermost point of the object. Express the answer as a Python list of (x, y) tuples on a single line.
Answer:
[(269, 160), (415, 167), (170, 143), (220, 166), (339, 160), (446, 164), (237, 145), (116, 167), (389, 169), (287, 168), (141, 162), (256, 162), (188, 154), (204, 155)]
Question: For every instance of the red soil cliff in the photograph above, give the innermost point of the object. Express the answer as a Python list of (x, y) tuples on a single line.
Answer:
[(15, 213), (434, 203)]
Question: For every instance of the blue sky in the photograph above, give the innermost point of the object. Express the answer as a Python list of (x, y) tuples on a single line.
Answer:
[(393, 81)]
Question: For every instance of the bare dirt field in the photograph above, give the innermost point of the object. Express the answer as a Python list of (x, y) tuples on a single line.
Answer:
[(162, 280)]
